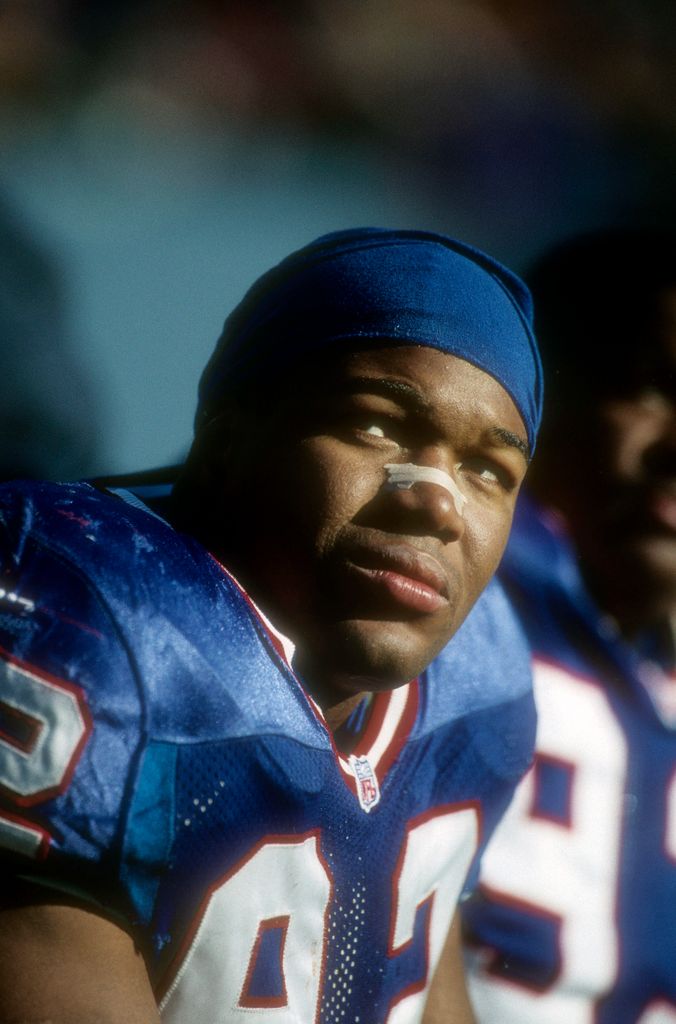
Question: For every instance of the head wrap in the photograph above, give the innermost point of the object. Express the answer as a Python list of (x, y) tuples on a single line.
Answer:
[(405, 287)]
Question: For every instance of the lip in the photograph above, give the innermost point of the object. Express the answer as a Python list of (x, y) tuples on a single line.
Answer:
[(411, 578)]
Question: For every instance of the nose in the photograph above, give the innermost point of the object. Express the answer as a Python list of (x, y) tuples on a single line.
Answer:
[(425, 499), (402, 476), (638, 437), (659, 458)]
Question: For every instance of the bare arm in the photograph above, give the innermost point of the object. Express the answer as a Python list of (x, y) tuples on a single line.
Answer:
[(64, 965), (448, 1002)]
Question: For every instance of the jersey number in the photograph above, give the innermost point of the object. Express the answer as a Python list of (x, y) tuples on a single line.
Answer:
[(259, 910), (44, 724), (571, 844)]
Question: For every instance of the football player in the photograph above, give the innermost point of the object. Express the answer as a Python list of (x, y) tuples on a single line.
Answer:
[(244, 774), (574, 921)]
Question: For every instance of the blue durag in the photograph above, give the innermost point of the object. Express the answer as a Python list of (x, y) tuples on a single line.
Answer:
[(405, 287)]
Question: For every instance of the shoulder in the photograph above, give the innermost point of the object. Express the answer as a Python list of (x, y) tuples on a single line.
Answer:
[(88, 575), (540, 555), (64, 666), (91, 529), (132, 562), (54, 616), (115, 588), (488, 659), (483, 680), (122, 639)]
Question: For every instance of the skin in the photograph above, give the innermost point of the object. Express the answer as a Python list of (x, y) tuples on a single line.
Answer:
[(448, 1002), (90, 972), (370, 583), (64, 965)]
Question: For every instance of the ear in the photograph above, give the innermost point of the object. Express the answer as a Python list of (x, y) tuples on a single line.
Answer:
[(212, 451), (198, 494)]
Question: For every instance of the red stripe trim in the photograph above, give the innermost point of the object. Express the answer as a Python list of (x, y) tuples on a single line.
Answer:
[(367, 740), (377, 716), (278, 648), (375, 725), (402, 732)]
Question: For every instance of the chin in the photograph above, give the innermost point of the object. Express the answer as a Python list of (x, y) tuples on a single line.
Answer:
[(383, 655)]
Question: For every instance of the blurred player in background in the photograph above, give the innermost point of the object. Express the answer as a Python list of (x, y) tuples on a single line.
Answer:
[(575, 919), (258, 797)]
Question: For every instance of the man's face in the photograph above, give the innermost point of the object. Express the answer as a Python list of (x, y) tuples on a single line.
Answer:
[(619, 485), (369, 581)]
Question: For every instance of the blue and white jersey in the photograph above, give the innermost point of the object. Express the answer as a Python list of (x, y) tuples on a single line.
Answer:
[(160, 760), (575, 918)]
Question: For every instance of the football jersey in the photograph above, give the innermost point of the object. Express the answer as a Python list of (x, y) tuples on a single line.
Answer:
[(574, 921), (160, 760)]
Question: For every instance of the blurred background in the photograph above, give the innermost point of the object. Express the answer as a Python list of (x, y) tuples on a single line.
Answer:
[(155, 157)]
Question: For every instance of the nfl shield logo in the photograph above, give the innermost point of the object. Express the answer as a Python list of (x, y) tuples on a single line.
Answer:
[(368, 789)]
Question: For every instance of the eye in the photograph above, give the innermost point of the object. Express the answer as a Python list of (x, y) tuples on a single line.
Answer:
[(374, 426), (365, 422), (488, 472)]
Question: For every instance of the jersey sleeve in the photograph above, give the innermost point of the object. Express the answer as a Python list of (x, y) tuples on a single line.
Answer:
[(71, 712)]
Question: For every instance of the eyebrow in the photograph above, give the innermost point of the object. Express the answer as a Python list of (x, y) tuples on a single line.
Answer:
[(397, 389), (402, 391), (511, 440)]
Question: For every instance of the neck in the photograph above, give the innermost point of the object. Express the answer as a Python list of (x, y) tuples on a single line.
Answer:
[(336, 717), (189, 512)]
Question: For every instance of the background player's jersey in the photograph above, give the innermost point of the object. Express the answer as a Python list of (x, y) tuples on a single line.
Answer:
[(159, 758), (575, 920)]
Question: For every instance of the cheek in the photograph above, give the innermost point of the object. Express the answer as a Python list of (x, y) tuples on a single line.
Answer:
[(487, 531), (626, 433), (334, 487)]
